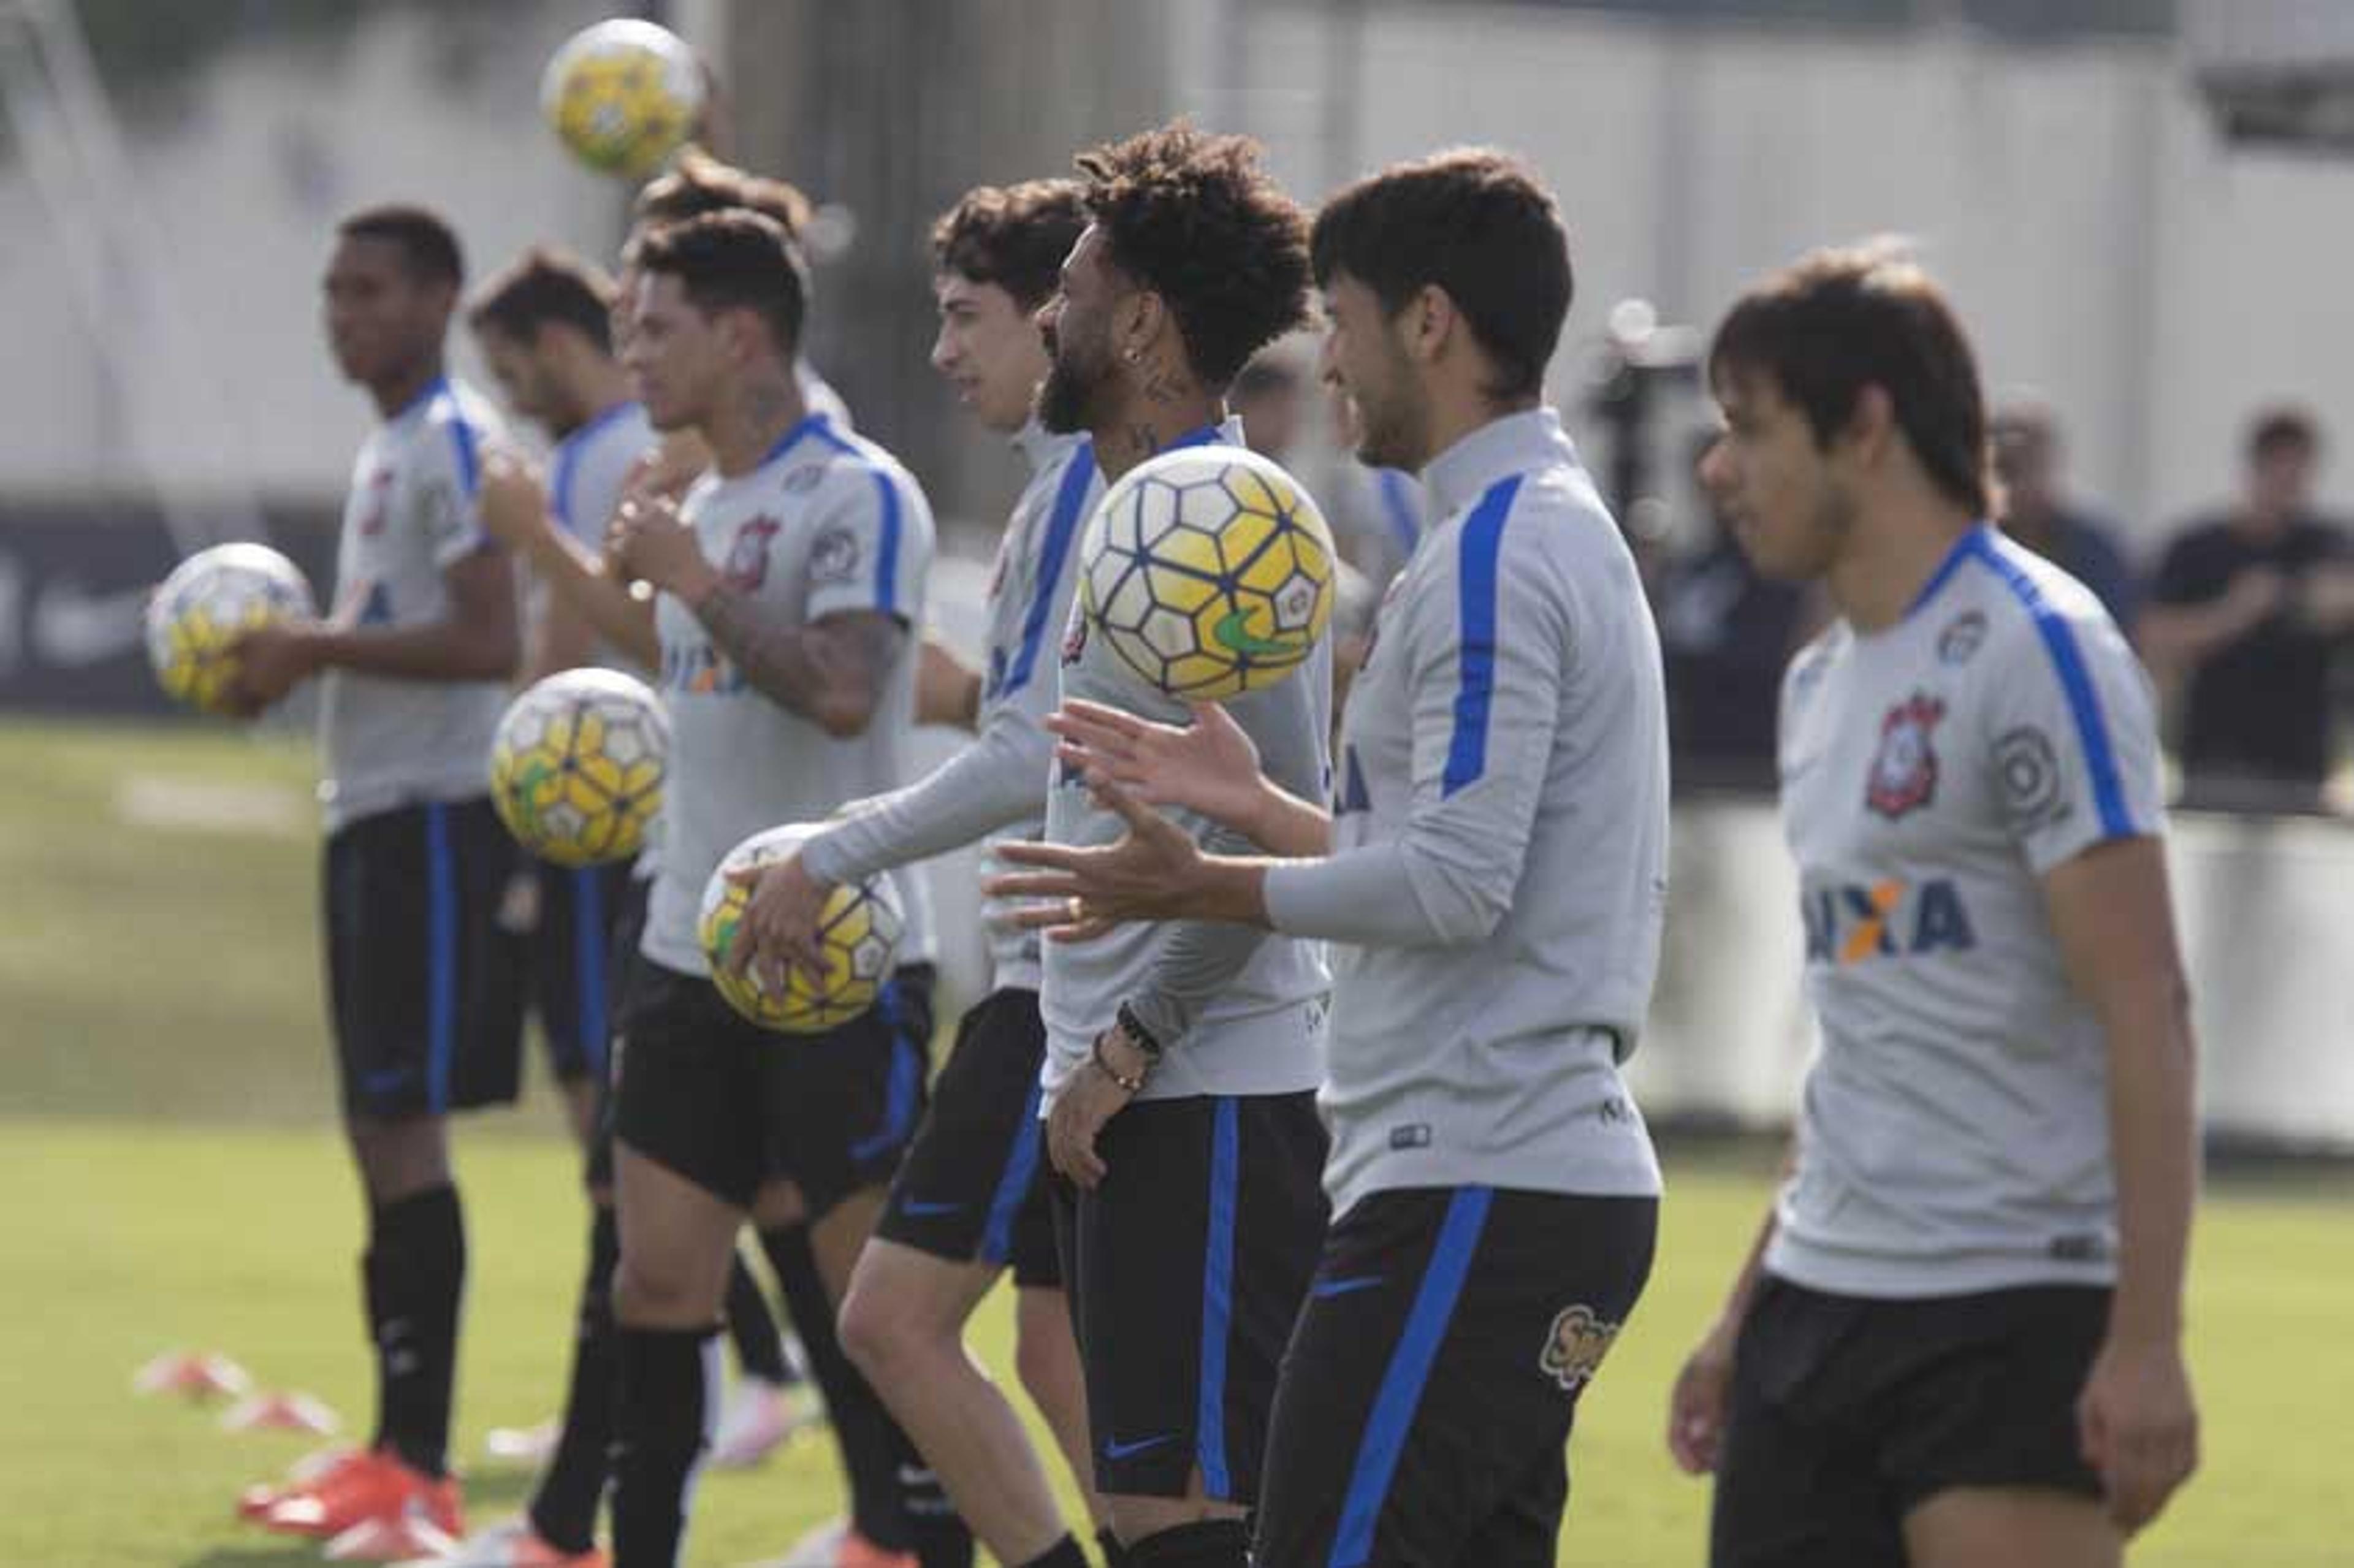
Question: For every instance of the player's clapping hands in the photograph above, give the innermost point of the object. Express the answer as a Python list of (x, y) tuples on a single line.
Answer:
[(778, 931), (649, 542)]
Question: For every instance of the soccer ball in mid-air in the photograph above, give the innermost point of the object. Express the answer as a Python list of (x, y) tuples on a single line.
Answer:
[(211, 599), (1209, 571), (623, 96), (858, 936), (576, 766)]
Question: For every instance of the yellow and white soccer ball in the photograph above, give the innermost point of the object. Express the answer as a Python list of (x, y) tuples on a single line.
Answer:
[(858, 936), (211, 600), (623, 95), (1209, 571), (576, 766)]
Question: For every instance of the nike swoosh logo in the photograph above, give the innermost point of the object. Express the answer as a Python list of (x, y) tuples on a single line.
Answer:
[(918, 1208), (1113, 1450), (1232, 633), (1324, 1287)]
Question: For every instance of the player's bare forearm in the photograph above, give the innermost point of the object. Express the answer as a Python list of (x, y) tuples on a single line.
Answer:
[(1286, 826), (577, 576), (476, 640), (830, 671), (2111, 912)]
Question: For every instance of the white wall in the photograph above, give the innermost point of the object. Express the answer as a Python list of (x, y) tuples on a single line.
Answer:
[(2103, 247)]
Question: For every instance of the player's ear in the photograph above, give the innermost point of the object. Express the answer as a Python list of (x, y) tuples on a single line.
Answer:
[(1137, 320), (1429, 319), (1873, 425)]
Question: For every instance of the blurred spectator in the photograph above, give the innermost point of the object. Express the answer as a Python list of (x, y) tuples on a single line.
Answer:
[(2040, 515), (1725, 634), (1270, 397), (2246, 611)]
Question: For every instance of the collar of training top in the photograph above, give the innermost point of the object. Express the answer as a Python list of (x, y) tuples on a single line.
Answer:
[(1040, 446), (1513, 444)]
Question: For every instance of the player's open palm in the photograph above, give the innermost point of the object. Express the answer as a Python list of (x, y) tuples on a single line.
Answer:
[(1082, 892), (1697, 1404), (2139, 1427), (1209, 766)]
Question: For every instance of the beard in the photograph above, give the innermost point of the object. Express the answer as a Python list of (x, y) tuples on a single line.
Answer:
[(1066, 396), (1392, 430)]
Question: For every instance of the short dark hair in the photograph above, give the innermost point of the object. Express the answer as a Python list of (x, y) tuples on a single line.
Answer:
[(1840, 320), (428, 247), (2282, 429), (1013, 236), (735, 261), (546, 287), (698, 184), (1474, 222), (1196, 219)]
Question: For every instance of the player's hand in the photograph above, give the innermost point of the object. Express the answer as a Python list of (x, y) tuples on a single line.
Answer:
[(778, 931), (1209, 765), (1089, 1098), (514, 506), (2254, 595), (651, 542), (269, 661), (2139, 1427), (1084, 891), (1696, 1406), (675, 463), (947, 690)]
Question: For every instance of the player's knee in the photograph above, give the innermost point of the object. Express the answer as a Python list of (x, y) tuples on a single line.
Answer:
[(399, 1157), (648, 1296), (879, 1334)]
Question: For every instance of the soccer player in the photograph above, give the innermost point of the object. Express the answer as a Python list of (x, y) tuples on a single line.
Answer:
[(1959, 1340), (971, 1198), (1182, 1060), (786, 581), (426, 1010), (1492, 869)]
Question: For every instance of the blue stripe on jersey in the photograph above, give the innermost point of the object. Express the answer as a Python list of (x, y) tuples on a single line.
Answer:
[(1963, 548), (589, 939), (886, 555), (1201, 436), (470, 460), (441, 957), (1398, 506), (1013, 1185), (2075, 679), (1409, 1370), (810, 424), (1482, 543), (1218, 1301), (567, 462), (1060, 529)]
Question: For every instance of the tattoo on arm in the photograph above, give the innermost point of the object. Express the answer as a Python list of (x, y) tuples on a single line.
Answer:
[(830, 671)]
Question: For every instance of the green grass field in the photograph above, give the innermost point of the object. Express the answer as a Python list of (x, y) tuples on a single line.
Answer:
[(173, 1180)]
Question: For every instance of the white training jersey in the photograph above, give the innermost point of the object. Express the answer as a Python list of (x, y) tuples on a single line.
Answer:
[(413, 512), (1953, 1136), (827, 522)]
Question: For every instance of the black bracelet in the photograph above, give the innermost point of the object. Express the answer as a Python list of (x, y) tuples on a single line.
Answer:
[(1137, 1035), (1128, 1085)]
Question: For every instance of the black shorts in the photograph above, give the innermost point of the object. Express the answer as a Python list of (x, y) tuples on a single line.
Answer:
[(424, 981), (974, 1185), (573, 981), (1847, 1413), (620, 966), (1426, 1399), (1185, 1268), (728, 1105)]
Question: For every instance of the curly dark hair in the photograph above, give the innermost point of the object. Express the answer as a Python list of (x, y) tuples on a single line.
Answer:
[(1013, 236), (1474, 222), (1195, 217)]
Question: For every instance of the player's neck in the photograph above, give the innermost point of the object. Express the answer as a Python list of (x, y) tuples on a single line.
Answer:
[(751, 419), (397, 391), (1889, 555), (601, 389), (1145, 423), (1454, 417)]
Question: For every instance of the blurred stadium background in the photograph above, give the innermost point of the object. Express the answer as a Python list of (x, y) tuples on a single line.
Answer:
[(2142, 207)]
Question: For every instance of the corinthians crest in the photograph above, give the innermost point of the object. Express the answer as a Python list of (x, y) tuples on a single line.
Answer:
[(1575, 1348), (747, 557), (1904, 768)]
